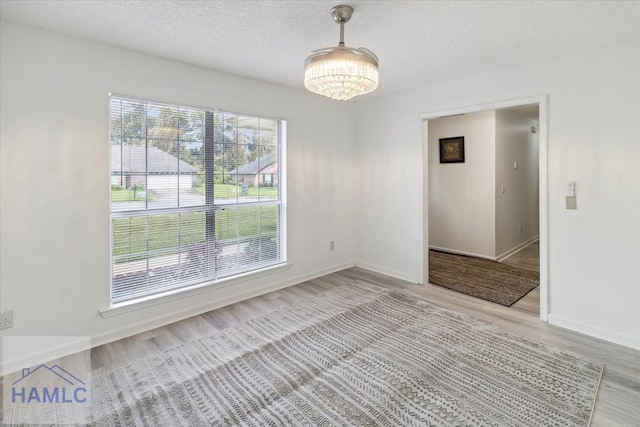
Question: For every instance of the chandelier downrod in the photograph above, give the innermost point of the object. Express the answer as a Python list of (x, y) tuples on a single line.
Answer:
[(342, 14)]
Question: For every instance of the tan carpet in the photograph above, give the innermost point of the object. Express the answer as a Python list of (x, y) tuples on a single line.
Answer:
[(481, 278)]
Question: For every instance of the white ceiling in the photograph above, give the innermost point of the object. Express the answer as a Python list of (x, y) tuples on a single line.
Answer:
[(418, 42)]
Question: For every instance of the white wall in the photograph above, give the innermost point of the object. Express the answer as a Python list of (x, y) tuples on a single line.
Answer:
[(55, 179), (518, 205), (462, 201), (388, 191), (594, 110), (54, 194)]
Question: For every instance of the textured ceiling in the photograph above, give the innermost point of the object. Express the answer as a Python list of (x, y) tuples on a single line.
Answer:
[(418, 42)]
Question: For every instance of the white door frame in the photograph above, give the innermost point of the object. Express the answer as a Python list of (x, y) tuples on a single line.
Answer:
[(542, 101)]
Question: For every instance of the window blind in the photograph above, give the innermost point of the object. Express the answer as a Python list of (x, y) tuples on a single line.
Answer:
[(195, 196)]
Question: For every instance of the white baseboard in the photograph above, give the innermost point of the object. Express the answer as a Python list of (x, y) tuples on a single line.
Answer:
[(70, 346), (212, 303), (453, 251), (517, 248), (388, 272), (593, 331)]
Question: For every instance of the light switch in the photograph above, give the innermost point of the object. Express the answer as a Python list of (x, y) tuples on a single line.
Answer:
[(570, 199)]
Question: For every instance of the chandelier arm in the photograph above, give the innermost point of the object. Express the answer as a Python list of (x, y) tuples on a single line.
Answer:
[(368, 52)]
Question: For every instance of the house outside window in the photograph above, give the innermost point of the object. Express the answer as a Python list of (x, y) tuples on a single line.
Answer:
[(253, 173), (188, 200)]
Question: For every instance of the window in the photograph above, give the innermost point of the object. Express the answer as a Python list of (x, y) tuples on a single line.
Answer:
[(188, 202)]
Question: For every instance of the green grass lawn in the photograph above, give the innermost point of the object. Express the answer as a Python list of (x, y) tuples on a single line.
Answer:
[(227, 191), (137, 235), (126, 195), (223, 191)]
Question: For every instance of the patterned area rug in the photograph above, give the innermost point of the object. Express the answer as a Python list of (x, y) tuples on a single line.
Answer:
[(354, 355), (481, 278)]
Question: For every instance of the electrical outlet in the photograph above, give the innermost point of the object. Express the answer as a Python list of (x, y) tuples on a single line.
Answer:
[(6, 319), (332, 245)]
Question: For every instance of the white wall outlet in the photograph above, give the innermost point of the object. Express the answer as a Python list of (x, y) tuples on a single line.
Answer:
[(332, 245), (6, 319)]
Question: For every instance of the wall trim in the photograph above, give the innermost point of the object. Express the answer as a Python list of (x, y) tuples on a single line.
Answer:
[(146, 325), (139, 327), (181, 293), (455, 251), (388, 272), (517, 248), (74, 345), (543, 228), (594, 331)]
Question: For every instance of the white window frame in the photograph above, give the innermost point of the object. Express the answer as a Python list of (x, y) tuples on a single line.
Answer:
[(214, 273)]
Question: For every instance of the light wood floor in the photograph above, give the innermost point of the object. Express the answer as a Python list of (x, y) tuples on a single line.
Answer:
[(527, 258), (617, 404)]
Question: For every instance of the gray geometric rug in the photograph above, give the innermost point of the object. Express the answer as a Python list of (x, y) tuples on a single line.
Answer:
[(481, 278), (354, 355)]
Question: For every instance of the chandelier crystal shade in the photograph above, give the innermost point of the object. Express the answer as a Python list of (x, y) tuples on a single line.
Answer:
[(341, 72)]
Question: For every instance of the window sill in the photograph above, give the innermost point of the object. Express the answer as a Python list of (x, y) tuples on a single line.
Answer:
[(176, 294)]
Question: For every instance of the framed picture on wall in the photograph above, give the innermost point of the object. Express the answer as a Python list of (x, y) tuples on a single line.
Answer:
[(452, 150)]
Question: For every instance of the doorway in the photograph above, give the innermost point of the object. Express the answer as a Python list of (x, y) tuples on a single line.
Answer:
[(503, 244)]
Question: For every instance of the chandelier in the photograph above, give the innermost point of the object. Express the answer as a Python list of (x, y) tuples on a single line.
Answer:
[(341, 72)]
